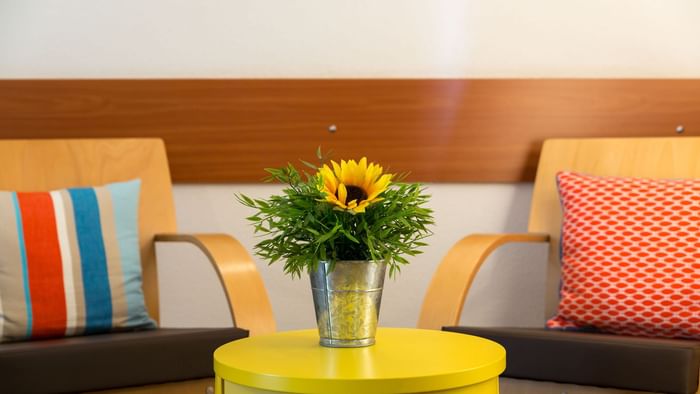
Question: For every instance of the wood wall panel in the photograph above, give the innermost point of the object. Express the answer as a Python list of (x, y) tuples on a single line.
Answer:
[(479, 130)]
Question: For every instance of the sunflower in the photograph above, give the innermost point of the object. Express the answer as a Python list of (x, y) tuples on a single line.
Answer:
[(353, 186)]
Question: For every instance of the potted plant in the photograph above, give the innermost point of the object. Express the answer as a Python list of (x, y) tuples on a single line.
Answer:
[(344, 223)]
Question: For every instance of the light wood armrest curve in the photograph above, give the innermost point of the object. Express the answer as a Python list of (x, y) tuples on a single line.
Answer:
[(245, 291), (450, 284)]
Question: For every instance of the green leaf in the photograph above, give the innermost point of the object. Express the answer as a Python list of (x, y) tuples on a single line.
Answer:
[(262, 203), (328, 235), (310, 165), (349, 236)]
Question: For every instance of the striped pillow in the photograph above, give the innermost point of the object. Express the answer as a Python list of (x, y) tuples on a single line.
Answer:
[(70, 262)]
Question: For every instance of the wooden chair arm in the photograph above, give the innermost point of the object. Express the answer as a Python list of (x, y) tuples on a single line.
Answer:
[(245, 291), (448, 289)]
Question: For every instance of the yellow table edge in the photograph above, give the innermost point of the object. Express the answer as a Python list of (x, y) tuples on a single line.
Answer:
[(366, 386)]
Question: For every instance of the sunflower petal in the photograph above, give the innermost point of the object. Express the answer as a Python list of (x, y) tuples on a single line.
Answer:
[(344, 172), (353, 173), (363, 165), (336, 169), (383, 181), (329, 179), (361, 208), (369, 178), (361, 173), (342, 193), (378, 187)]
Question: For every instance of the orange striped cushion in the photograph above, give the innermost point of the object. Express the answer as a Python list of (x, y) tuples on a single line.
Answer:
[(70, 262)]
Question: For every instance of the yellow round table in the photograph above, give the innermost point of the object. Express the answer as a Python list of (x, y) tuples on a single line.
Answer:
[(403, 360)]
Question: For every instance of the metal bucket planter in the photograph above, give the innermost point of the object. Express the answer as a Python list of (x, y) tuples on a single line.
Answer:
[(347, 301)]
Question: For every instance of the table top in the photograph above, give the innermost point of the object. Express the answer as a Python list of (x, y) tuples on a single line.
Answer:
[(403, 358)]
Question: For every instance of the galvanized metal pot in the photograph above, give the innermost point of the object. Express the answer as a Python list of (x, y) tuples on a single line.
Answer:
[(347, 301)]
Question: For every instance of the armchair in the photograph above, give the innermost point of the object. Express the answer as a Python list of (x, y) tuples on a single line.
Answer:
[(161, 360), (546, 361)]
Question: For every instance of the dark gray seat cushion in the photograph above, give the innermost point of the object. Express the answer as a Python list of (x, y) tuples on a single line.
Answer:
[(111, 360), (644, 364)]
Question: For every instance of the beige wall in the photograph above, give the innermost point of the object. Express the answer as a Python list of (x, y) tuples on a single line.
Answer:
[(327, 39), (331, 38)]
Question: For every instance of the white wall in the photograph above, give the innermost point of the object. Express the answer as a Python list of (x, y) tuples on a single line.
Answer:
[(328, 39), (361, 38)]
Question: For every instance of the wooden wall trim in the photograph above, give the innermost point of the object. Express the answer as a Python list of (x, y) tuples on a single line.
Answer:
[(442, 130)]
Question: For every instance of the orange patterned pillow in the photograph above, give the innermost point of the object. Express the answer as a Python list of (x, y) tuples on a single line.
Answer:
[(630, 256)]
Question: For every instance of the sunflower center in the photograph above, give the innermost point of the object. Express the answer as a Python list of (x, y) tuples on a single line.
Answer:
[(355, 193)]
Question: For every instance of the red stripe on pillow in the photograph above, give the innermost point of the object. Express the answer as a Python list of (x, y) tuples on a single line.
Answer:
[(44, 264)]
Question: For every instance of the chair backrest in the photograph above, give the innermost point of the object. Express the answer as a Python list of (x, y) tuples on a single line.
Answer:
[(42, 165), (657, 158)]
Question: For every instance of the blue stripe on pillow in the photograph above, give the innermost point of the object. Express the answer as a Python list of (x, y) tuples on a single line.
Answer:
[(98, 297), (23, 254), (126, 209)]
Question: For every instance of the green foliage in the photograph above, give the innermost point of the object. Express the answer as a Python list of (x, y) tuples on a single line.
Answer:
[(302, 229)]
